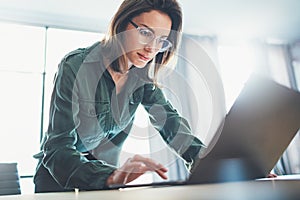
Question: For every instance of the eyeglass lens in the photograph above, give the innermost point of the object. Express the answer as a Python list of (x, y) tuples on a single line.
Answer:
[(146, 36)]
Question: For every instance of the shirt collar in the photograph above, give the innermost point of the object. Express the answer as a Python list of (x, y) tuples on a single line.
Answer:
[(94, 53)]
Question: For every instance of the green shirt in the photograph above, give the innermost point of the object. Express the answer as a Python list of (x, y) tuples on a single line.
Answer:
[(86, 114)]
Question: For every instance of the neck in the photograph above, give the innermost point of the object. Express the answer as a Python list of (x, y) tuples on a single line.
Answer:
[(123, 72), (129, 65)]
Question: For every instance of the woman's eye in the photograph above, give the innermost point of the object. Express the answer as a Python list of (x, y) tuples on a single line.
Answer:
[(146, 33)]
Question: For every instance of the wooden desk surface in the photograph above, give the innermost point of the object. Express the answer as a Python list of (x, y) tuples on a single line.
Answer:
[(253, 190)]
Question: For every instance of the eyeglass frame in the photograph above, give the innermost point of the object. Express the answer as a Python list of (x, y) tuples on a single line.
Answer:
[(154, 37)]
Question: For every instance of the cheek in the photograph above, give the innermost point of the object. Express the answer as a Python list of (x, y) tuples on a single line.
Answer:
[(131, 44), (131, 56)]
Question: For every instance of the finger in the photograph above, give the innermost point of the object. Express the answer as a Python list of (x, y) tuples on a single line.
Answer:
[(157, 167), (271, 176), (135, 170), (150, 163), (130, 171), (137, 166), (132, 177), (161, 174)]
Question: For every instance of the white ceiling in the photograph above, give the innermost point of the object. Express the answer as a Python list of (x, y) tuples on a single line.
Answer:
[(276, 19)]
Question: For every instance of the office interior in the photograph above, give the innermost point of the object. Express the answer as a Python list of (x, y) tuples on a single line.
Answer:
[(238, 37)]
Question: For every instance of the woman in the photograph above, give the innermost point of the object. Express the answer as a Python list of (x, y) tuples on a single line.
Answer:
[(96, 93)]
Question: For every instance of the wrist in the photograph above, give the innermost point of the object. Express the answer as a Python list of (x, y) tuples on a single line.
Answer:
[(110, 179)]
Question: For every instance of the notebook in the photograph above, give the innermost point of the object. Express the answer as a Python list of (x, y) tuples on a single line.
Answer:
[(256, 131)]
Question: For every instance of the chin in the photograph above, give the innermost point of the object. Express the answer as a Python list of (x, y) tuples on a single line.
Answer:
[(140, 64)]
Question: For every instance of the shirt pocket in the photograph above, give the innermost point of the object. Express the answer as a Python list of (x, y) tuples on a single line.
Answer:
[(93, 121), (93, 109)]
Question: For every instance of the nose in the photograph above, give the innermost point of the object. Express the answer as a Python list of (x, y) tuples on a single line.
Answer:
[(151, 46)]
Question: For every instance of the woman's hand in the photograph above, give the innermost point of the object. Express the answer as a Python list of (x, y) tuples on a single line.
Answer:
[(134, 168), (271, 175)]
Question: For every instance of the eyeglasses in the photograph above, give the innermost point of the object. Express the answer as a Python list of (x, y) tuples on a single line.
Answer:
[(146, 36)]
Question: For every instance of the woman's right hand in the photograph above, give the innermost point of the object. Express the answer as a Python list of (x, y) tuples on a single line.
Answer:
[(135, 167)]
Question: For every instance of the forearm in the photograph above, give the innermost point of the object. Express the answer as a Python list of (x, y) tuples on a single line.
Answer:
[(173, 128), (179, 137), (72, 170)]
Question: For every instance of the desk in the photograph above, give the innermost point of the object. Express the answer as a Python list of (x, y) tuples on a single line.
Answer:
[(252, 190)]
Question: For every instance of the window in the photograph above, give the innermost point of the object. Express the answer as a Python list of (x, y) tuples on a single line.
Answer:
[(22, 61), (237, 63), (59, 43)]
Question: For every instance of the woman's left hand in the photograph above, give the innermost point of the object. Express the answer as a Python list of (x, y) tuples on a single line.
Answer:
[(271, 175)]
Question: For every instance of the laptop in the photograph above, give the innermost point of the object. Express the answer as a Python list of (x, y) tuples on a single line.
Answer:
[(256, 131)]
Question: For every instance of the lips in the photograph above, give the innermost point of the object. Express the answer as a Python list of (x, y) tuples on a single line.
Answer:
[(143, 57)]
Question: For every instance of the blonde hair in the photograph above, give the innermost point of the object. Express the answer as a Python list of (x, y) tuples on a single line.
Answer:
[(113, 48)]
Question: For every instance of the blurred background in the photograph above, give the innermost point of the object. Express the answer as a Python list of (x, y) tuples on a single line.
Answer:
[(240, 37)]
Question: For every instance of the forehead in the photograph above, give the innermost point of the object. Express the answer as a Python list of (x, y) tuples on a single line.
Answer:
[(156, 20)]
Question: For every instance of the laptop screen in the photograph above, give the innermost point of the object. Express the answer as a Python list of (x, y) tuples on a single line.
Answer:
[(258, 128)]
